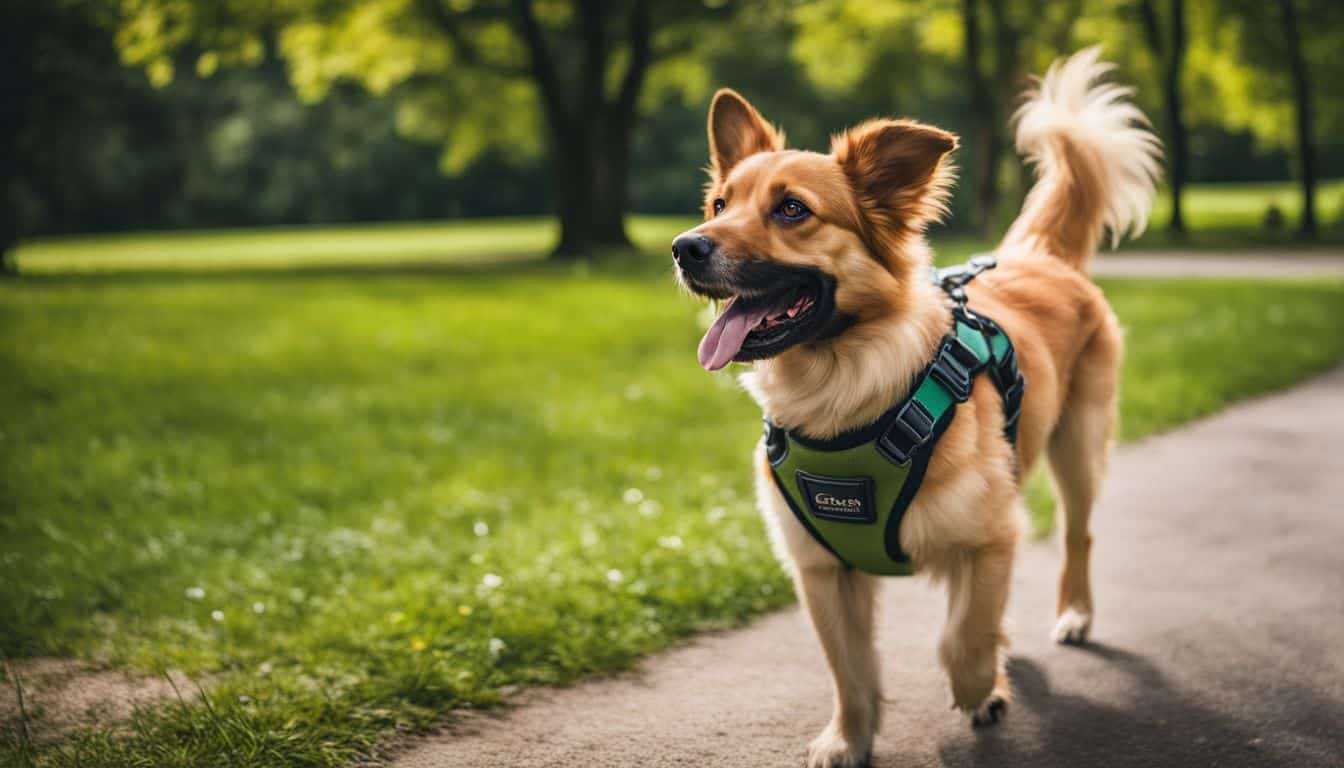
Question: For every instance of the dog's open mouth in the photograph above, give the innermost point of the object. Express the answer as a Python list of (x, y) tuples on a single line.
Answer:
[(760, 325)]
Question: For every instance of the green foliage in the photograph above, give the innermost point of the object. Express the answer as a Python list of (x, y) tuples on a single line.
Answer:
[(228, 143), (458, 71), (1252, 87), (405, 492)]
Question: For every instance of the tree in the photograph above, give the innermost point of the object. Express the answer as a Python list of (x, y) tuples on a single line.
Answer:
[(474, 75), (1302, 109), (1289, 46), (990, 92), (58, 78), (1170, 51)]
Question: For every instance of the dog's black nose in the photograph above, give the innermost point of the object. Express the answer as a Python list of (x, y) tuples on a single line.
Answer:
[(691, 250)]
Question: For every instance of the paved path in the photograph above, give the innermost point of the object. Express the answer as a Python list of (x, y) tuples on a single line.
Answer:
[(1219, 575), (1293, 264)]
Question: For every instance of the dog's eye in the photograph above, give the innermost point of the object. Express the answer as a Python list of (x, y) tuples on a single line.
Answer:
[(792, 210), (719, 205)]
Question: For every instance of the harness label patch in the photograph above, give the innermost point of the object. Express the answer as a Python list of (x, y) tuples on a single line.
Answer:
[(845, 499)]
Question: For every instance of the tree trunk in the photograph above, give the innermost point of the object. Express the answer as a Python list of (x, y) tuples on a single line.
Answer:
[(1175, 119), (1007, 84), (590, 134), (571, 189), (989, 103), (1172, 60), (1302, 106), (8, 267), (986, 130), (613, 173), (589, 190), (9, 229)]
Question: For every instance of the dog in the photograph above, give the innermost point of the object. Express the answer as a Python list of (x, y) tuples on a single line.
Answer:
[(820, 265)]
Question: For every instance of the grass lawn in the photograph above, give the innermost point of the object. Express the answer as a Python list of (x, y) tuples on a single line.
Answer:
[(350, 497), (351, 501), (1235, 205), (368, 246), (1224, 216)]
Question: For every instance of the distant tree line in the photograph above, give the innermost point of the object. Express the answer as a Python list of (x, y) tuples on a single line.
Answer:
[(185, 113)]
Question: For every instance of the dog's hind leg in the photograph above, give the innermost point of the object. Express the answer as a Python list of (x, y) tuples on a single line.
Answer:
[(1078, 450), (842, 604), (972, 646)]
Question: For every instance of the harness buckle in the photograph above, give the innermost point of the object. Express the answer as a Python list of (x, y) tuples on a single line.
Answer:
[(962, 353), (912, 427), (954, 366)]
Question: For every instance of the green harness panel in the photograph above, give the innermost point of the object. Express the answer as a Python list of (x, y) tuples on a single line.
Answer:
[(852, 491)]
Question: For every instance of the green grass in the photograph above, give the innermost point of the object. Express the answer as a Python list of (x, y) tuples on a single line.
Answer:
[(367, 246), (1220, 216), (406, 490), (1229, 206), (338, 463)]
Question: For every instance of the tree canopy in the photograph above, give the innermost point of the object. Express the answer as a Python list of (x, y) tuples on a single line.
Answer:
[(244, 111)]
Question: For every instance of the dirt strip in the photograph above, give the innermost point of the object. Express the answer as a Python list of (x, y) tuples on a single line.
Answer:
[(60, 695), (1176, 264)]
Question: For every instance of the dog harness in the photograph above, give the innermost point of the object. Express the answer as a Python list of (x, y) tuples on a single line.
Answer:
[(852, 491)]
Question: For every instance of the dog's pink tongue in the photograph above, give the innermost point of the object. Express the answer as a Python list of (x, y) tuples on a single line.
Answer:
[(724, 338)]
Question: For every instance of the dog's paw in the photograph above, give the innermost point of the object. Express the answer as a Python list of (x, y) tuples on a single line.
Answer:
[(991, 711), (1072, 627), (832, 750)]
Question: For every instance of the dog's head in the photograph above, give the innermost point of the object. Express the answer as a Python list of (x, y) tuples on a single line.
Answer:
[(799, 246)]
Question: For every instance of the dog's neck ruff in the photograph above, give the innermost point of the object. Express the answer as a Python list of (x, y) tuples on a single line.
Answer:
[(851, 491)]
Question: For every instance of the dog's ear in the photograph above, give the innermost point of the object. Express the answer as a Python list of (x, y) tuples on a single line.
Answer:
[(898, 168), (737, 131)]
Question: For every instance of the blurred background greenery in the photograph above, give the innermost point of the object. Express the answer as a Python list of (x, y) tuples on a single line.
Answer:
[(172, 114), (313, 386)]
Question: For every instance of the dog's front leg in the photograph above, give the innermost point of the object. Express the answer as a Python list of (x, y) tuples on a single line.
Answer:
[(971, 648), (841, 603)]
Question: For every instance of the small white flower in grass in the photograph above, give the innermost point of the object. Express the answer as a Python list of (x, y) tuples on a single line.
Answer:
[(258, 607), (670, 542), (496, 647), (716, 514), (244, 699), (649, 508), (217, 615), (265, 668), (632, 496), (491, 580), (615, 576), (480, 529), (195, 593)]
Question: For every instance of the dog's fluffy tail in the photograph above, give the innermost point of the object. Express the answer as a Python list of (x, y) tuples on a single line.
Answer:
[(1096, 162)]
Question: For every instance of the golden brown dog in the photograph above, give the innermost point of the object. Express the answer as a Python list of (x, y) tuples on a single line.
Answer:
[(821, 265)]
